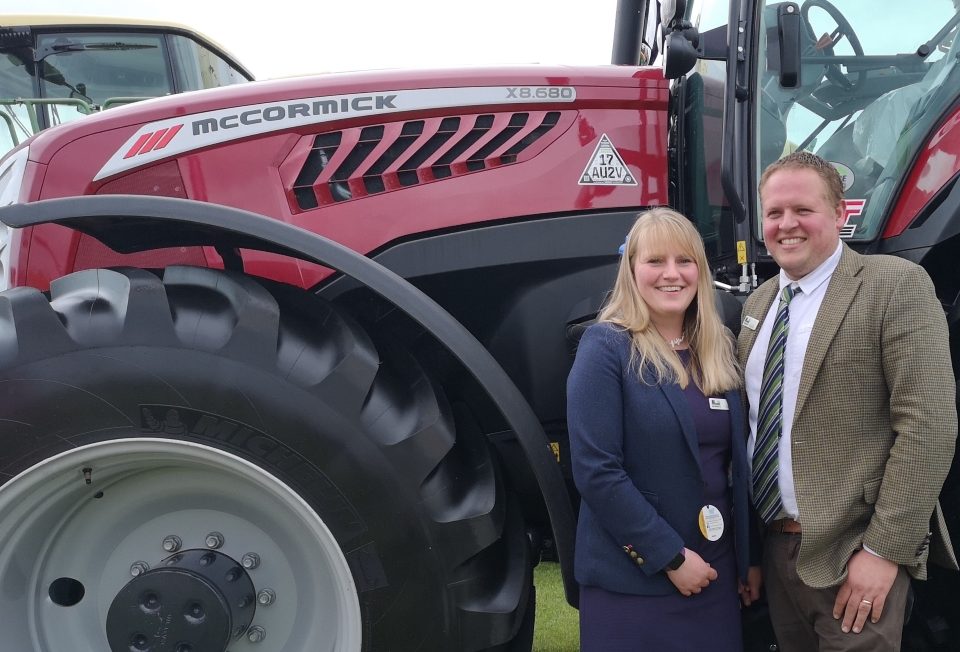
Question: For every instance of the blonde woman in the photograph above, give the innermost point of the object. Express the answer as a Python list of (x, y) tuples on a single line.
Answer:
[(658, 449)]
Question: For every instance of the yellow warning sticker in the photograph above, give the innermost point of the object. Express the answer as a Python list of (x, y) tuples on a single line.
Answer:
[(741, 252), (555, 447)]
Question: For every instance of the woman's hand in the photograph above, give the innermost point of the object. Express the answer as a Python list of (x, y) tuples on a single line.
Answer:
[(693, 575), (750, 590)]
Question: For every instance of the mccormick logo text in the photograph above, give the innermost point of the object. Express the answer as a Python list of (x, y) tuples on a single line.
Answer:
[(362, 104), (168, 138)]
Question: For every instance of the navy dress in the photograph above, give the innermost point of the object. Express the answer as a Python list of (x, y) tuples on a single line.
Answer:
[(710, 620)]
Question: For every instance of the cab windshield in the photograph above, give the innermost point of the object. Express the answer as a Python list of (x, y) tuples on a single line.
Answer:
[(77, 74), (873, 83)]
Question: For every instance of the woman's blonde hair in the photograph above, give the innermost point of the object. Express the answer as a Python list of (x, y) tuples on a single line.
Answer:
[(713, 366)]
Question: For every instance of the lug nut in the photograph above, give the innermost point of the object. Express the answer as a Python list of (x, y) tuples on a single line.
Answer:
[(138, 568), (172, 543), (214, 540), (256, 634), (266, 597), (250, 560)]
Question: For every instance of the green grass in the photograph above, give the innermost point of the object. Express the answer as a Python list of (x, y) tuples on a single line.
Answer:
[(557, 628)]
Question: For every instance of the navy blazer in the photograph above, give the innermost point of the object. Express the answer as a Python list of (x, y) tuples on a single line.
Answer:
[(636, 461)]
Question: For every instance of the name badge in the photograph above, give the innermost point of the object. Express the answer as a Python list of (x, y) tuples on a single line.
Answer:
[(751, 322), (719, 404), (711, 523)]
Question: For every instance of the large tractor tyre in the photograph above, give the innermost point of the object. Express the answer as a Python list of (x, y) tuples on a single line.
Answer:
[(202, 463)]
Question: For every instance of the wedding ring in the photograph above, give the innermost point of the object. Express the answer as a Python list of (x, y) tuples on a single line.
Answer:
[(866, 602)]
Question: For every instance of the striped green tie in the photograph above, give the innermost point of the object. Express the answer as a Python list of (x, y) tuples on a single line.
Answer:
[(766, 488)]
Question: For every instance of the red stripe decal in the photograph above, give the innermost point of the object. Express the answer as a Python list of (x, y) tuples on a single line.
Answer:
[(137, 145), (166, 139), (154, 139)]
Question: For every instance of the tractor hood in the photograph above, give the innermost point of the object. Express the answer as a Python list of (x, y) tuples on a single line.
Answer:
[(181, 123)]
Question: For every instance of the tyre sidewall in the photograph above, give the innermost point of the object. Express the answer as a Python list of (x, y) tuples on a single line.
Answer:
[(318, 450)]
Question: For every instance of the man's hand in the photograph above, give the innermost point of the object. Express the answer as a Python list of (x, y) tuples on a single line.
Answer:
[(693, 575), (869, 579), (750, 590)]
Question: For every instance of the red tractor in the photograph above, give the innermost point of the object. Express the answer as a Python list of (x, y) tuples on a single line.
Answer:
[(280, 362)]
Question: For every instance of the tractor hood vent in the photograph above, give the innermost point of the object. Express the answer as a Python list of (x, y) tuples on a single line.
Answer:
[(354, 163)]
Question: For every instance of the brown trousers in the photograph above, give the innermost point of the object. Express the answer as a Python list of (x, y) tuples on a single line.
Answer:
[(803, 617)]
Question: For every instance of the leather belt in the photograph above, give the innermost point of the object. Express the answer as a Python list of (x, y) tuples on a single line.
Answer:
[(785, 526)]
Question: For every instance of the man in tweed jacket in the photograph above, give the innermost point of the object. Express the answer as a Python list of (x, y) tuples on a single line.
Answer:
[(868, 415)]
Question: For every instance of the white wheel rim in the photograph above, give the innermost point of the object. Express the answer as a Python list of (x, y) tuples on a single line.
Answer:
[(53, 525)]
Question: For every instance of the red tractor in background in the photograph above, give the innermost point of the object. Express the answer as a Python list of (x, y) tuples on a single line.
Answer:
[(55, 69), (279, 363)]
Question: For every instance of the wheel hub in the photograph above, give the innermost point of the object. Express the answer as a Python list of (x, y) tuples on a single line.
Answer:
[(194, 601)]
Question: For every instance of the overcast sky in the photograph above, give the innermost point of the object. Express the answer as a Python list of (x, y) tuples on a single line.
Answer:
[(286, 38)]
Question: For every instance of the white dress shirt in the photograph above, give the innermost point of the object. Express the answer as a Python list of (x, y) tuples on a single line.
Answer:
[(803, 312)]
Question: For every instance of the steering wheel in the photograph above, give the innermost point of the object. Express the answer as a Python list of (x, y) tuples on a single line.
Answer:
[(833, 72)]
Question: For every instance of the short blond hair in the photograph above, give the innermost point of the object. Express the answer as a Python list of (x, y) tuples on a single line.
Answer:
[(802, 160), (714, 368)]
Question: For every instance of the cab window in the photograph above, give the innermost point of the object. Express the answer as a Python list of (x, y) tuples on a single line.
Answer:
[(197, 67), (872, 85), (97, 68), (16, 81)]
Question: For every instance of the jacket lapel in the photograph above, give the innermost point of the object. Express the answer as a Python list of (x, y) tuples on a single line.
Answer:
[(737, 418), (841, 291), (679, 404), (739, 429)]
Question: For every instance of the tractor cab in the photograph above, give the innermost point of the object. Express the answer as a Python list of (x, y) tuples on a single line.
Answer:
[(871, 89), (56, 69)]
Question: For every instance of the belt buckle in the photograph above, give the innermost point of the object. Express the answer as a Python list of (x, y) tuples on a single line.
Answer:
[(785, 526)]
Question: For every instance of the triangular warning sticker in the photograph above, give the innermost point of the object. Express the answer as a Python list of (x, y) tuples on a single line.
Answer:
[(606, 167)]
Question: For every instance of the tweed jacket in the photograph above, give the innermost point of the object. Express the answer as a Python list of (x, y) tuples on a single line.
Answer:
[(875, 423), (635, 453)]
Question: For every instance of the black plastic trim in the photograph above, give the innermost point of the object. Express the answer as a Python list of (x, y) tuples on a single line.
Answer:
[(554, 238), (938, 222)]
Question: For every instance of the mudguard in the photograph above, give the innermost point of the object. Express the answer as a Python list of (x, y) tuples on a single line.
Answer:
[(131, 223)]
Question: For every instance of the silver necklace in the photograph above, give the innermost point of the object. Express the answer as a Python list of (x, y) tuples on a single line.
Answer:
[(675, 342)]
